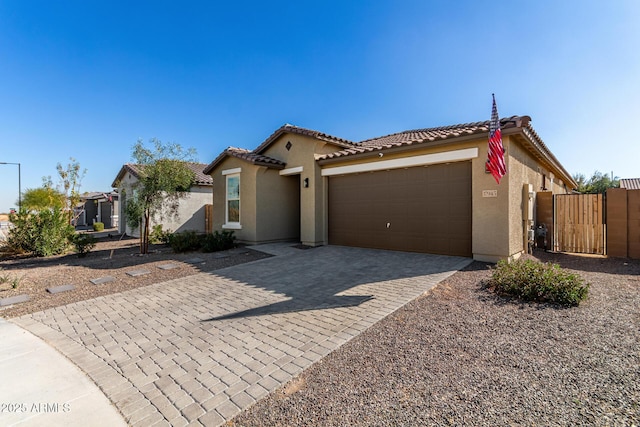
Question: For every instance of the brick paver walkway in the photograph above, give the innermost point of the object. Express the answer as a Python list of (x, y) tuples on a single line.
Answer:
[(202, 348)]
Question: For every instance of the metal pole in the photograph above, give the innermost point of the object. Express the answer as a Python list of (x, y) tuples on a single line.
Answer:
[(19, 190)]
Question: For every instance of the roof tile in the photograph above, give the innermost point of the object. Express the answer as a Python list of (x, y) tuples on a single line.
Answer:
[(419, 136), (630, 183), (256, 159), (301, 131), (197, 168)]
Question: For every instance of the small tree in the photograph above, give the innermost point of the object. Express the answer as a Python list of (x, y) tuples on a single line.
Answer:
[(598, 183), (165, 178), (70, 180), (45, 197)]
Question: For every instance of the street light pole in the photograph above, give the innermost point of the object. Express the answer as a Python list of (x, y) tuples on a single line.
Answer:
[(19, 183)]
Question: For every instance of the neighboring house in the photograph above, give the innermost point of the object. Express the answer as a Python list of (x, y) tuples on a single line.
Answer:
[(97, 207), (191, 211), (422, 190), (630, 183)]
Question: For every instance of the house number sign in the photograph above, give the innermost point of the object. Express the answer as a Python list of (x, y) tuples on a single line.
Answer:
[(489, 193)]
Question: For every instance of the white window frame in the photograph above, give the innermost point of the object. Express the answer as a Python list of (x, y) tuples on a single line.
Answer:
[(228, 224)]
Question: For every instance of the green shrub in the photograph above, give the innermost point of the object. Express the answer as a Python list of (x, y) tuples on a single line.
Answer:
[(536, 281), (98, 226), (43, 233), (83, 243), (158, 235), (7, 278), (4, 278), (218, 241), (185, 241)]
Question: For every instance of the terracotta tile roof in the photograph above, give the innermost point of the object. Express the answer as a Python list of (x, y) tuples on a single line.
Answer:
[(248, 155), (287, 128), (454, 132), (256, 159), (200, 177), (630, 183), (420, 136)]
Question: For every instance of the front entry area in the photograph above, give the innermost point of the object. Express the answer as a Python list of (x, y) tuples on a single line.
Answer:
[(418, 209)]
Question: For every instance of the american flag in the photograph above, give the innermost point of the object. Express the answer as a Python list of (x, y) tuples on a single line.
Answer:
[(495, 160)]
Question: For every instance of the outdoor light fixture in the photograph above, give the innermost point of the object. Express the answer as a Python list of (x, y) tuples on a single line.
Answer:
[(19, 184), (305, 183)]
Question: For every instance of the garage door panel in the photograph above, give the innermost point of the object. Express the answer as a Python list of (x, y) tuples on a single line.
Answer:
[(428, 208)]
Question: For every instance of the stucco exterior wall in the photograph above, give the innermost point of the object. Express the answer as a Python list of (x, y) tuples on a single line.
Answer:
[(525, 169), (190, 214), (248, 172), (490, 215), (278, 218), (490, 202), (301, 154)]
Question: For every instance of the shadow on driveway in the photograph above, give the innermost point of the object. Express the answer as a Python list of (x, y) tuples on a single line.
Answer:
[(325, 277)]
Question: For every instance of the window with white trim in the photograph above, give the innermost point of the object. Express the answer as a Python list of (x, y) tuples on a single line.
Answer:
[(233, 200)]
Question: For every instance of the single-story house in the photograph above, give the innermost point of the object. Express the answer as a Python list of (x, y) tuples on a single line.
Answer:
[(191, 211), (424, 190), (97, 207)]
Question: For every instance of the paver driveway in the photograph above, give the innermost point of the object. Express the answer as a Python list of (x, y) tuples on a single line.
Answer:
[(202, 348)]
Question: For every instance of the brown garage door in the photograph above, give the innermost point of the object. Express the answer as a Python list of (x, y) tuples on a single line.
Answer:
[(418, 209)]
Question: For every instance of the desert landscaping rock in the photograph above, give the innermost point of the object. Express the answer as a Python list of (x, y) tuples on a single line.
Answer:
[(14, 300), (61, 288), (136, 273), (463, 356), (102, 280), (123, 255)]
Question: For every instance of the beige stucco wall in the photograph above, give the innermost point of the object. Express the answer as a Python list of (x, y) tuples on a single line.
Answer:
[(497, 222), (278, 197), (490, 215), (490, 218), (190, 214), (312, 212), (247, 198), (276, 207), (526, 169)]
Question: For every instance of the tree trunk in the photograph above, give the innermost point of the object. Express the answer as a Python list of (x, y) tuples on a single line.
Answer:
[(145, 234)]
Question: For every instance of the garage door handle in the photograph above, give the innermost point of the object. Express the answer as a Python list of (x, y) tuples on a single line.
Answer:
[(388, 225)]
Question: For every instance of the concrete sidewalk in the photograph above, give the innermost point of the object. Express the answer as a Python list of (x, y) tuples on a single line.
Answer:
[(39, 386)]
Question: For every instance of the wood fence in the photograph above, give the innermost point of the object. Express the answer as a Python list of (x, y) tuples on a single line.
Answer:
[(623, 223), (579, 223), (208, 218)]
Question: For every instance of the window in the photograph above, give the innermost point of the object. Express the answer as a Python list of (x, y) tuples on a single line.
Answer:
[(233, 201)]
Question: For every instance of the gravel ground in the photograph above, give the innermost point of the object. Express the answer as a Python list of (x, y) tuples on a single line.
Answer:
[(110, 257), (463, 356)]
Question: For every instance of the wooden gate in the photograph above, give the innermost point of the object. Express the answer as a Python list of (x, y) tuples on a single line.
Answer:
[(579, 223)]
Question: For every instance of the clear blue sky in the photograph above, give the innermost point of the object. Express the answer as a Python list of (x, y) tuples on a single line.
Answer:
[(86, 79)]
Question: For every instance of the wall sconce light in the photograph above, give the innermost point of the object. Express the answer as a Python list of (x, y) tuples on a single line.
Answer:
[(305, 182)]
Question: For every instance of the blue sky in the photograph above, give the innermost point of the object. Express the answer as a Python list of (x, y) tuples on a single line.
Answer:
[(88, 79)]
